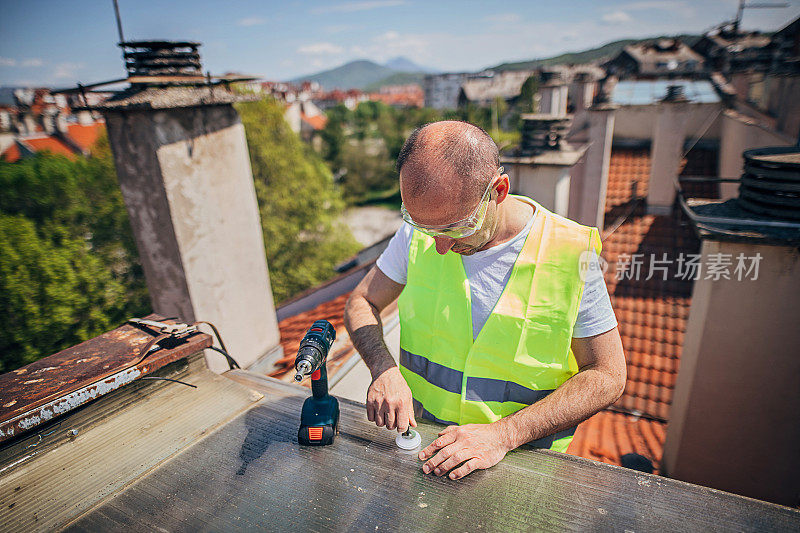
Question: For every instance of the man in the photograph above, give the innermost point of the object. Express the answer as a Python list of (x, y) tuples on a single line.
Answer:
[(504, 336)]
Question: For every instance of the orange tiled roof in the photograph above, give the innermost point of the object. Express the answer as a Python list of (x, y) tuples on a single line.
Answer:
[(11, 154), (652, 314), (50, 144), (85, 135), (293, 329), (607, 436), (316, 121)]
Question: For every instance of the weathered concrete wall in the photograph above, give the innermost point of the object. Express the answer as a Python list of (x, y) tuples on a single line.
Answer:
[(186, 179), (548, 185), (740, 133), (666, 153), (553, 100), (783, 96), (638, 121), (734, 418), (589, 177)]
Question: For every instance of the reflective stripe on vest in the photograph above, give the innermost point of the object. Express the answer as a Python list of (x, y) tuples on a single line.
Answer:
[(521, 354)]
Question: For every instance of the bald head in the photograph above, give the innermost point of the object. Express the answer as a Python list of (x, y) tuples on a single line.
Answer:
[(455, 157)]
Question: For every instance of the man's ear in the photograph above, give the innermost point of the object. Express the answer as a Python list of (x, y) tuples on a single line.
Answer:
[(503, 188)]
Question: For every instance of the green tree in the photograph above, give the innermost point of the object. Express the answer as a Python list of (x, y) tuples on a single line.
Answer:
[(69, 269), (299, 203), (53, 292)]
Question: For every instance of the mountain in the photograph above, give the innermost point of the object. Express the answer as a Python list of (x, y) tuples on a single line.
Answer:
[(355, 74), (398, 78), (403, 64)]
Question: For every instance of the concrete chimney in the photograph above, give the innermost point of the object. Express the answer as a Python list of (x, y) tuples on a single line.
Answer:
[(740, 133), (553, 92), (581, 91), (733, 423), (184, 170), (666, 152), (541, 166), (590, 178)]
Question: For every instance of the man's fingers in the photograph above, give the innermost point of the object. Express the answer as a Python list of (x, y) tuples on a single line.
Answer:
[(434, 462), (411, 420), (464, 469), (448, 429), (370, 413), (378, 417), (438, 444), (390, 418), (402, 420), (451, 462)]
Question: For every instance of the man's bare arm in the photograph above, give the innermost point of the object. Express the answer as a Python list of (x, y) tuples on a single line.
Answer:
[(388, 397), (362, 318), (599, 382)]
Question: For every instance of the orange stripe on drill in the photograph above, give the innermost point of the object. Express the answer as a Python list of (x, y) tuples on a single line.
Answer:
[(315, 375), (314, 433)]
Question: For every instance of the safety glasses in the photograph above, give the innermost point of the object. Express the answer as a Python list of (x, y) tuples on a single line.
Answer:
[(462, 228)]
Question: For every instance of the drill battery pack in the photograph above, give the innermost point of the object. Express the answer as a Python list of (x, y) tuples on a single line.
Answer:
[(319, 421)]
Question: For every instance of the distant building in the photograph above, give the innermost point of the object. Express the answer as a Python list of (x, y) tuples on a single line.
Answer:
[(441, 90), (409, 95), (349, 98), (726, 50), (485, 89), (664, 58), (34, 120)]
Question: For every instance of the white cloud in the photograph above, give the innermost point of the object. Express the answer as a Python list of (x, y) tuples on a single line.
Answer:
[(392, 44), (349, 7), (320, 48), (504, 18), (251, 21), (616, 17), (27, 62), (337, 28), (680, 7), (67, 70)]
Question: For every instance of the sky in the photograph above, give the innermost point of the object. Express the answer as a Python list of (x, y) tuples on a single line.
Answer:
[(59, 43)]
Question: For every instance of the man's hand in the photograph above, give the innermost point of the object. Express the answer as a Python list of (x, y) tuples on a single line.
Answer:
[(474, 445), (389, 401)]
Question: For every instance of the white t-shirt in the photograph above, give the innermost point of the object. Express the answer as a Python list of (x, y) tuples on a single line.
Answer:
[(488, 272)]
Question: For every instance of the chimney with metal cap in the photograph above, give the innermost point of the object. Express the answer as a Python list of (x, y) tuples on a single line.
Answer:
[(184, 169)]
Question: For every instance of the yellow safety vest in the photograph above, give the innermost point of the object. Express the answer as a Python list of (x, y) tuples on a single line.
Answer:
[(523, 351)]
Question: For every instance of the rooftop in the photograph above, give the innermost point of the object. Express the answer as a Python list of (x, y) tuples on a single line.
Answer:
[(643, 92)]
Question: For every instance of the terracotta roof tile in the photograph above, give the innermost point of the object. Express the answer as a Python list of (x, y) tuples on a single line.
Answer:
[(293, 329), (50, 144), (86, 135), (608, 435), (652, 313), (315, 121), (11, 154)]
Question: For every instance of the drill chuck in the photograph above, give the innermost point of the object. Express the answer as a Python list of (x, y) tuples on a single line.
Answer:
[(303, 368)]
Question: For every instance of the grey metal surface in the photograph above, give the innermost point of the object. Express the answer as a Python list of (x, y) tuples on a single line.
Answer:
[(252, 475)]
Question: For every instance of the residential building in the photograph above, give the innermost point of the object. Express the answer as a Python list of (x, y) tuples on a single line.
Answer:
[(664, 58)]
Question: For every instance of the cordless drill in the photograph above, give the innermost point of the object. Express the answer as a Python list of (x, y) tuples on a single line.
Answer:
[(319, 418)]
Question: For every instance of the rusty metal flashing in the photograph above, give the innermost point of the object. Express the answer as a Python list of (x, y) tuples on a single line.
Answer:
[(94, 451), (50, 387)]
